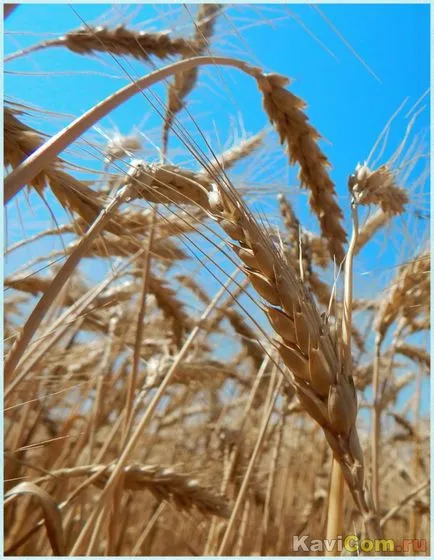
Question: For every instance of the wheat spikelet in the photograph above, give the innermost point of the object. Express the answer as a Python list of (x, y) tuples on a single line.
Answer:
[(237, 321), (319, 249), (198, 372), (169, 184), (20, 141), (77, 197), (31, 284), (34, 285), (64, 228), (118, 41), (291, 223), (113, 245), (99, 384), (300, 249), (248, 337), (164, 295), (138, 221), (284, 110), (116, 294), (170, 306), (194, 286)]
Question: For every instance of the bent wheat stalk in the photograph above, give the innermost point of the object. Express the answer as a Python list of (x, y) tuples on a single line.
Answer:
[(283, 108)]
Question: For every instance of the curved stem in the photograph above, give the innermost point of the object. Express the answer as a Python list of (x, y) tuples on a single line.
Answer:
[(36, 162), (34, 48), (348, 292)]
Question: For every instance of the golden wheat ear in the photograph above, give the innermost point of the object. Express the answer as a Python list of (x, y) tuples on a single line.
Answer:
[(285, 111), (119, 41), (184, 82), (313, 363)]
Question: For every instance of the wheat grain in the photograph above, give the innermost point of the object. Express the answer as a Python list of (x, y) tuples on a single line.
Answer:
[(20, 142), (102, 370)]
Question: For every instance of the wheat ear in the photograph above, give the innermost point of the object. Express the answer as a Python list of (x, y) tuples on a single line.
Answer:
[(20, 142), (285, 111), (370, 228), (184, 82), (304, 342), (164, 482), (119, 41)]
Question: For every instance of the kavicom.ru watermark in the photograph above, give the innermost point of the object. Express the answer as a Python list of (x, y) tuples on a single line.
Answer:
[(354, 543)]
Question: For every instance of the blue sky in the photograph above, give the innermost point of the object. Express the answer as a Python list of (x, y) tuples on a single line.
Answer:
[(349, 101)]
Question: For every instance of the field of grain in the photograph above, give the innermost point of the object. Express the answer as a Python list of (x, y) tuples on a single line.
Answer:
[(216, 343)]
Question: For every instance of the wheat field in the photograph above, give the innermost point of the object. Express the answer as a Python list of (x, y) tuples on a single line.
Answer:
[(215, 341)]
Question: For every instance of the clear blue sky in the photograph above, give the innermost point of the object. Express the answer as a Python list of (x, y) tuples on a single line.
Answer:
[(346, 102)]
